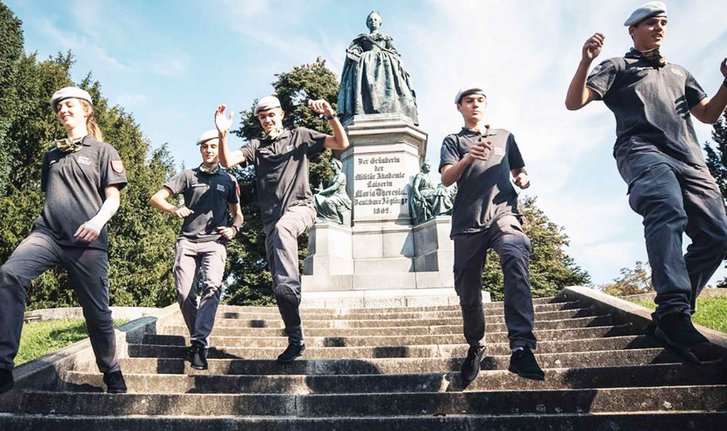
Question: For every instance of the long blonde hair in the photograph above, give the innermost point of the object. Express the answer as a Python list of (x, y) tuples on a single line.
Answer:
[(91, 125)]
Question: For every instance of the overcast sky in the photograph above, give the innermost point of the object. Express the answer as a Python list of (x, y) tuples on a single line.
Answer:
[(171, 62)]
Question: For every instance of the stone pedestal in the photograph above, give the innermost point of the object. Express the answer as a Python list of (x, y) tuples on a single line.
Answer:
[(380, 260)]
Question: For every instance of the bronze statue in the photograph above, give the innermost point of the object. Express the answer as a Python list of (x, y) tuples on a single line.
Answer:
[(332, 202), (373, 79), (427, 201)]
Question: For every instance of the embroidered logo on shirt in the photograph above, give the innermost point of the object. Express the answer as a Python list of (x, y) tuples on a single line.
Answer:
[(220, 188), (676, 71), (84, 160), (289, 147), (499, 151), (117, 166)]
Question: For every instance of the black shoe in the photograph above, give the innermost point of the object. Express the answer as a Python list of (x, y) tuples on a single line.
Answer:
[(197, 355), (6, 380), (115, 383), (290, 353), (472, 363), (678, 332), (523, 363)]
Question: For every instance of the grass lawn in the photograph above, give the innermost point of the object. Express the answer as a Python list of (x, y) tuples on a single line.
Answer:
[(711, 312), (41, 338)]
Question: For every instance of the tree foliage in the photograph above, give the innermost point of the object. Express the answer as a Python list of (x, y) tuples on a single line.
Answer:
[(141, 240), (551, 269), (717, 161), (249, 279), (631, 281)]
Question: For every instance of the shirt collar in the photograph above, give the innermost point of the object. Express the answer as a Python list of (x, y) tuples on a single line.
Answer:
[(489, 131)]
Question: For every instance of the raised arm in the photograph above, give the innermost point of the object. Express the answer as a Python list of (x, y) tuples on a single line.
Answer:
[(451, 173), (339, 140), (160, 201), (709, 110), (579, 95), (223, 122)]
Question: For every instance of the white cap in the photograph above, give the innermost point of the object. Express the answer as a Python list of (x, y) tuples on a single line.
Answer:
[(207, 136), (267, 103), (647, 10), (69, 93), (477, 89)]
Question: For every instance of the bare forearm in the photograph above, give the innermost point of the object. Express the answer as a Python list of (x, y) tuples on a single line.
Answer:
[(452, 173), (709, 112), (339, 140), (578, 94)]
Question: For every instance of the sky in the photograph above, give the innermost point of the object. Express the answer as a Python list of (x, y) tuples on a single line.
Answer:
[(170, 63)]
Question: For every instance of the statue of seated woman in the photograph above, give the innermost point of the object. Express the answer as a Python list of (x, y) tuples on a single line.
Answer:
[(333, 202), (427, 201), (373, 79)]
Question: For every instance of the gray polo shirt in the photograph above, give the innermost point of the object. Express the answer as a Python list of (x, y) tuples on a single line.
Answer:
[(651, 104), (208, 196), (281, 170), (484, 190), (74, 186)]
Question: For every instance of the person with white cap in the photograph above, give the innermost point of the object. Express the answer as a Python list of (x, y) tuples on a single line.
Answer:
[(82, 177), (485, 163), (659, 157), (280, 158), (201, 249)]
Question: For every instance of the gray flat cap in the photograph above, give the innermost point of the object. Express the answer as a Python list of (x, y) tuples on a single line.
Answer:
[(207, 136), (267, 103), (653, 8), (69, 93), (477, 89)]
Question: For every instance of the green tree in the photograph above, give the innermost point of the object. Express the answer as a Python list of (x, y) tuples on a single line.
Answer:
[(11, 51), (249, 280), (632, 281), (717, 161), (551, 269)]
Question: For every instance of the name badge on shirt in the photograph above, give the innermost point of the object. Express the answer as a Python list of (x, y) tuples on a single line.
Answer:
[(220, 188), (499, 151), (84, 160)]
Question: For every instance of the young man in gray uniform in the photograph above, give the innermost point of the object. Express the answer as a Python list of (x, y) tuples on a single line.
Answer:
[(82, 177), (286, 202), (202, 244), (659, 157), (482, 160)]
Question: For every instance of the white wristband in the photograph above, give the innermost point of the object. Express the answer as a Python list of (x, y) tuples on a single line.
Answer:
[(108, 209)]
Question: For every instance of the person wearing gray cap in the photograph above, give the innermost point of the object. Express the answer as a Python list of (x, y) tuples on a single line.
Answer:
[(283, 192), (82, 177), (201, 249), (659, 157), (482, 161)]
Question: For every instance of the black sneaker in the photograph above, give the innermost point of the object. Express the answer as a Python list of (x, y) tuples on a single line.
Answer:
[(6, 380), (523, 363), (198, 356), (115, 383), (678, 332), (472, 363), (290, 353)]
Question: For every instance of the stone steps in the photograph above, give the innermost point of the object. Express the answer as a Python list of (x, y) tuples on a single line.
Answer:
[(388, 340), (662, 421), (389, 369)]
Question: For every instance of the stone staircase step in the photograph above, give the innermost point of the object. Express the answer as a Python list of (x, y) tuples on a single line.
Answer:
[(275, 322), (559, 378), (493, 315), (400, 315), (665, 399), (621, 421), (429, 351), (608, 358), (542, 334), (402, 339)]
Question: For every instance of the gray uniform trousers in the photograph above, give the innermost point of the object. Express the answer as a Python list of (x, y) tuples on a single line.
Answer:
[(506, 238), (88, 271), (674, 197), (281, 244), (202, 262)]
